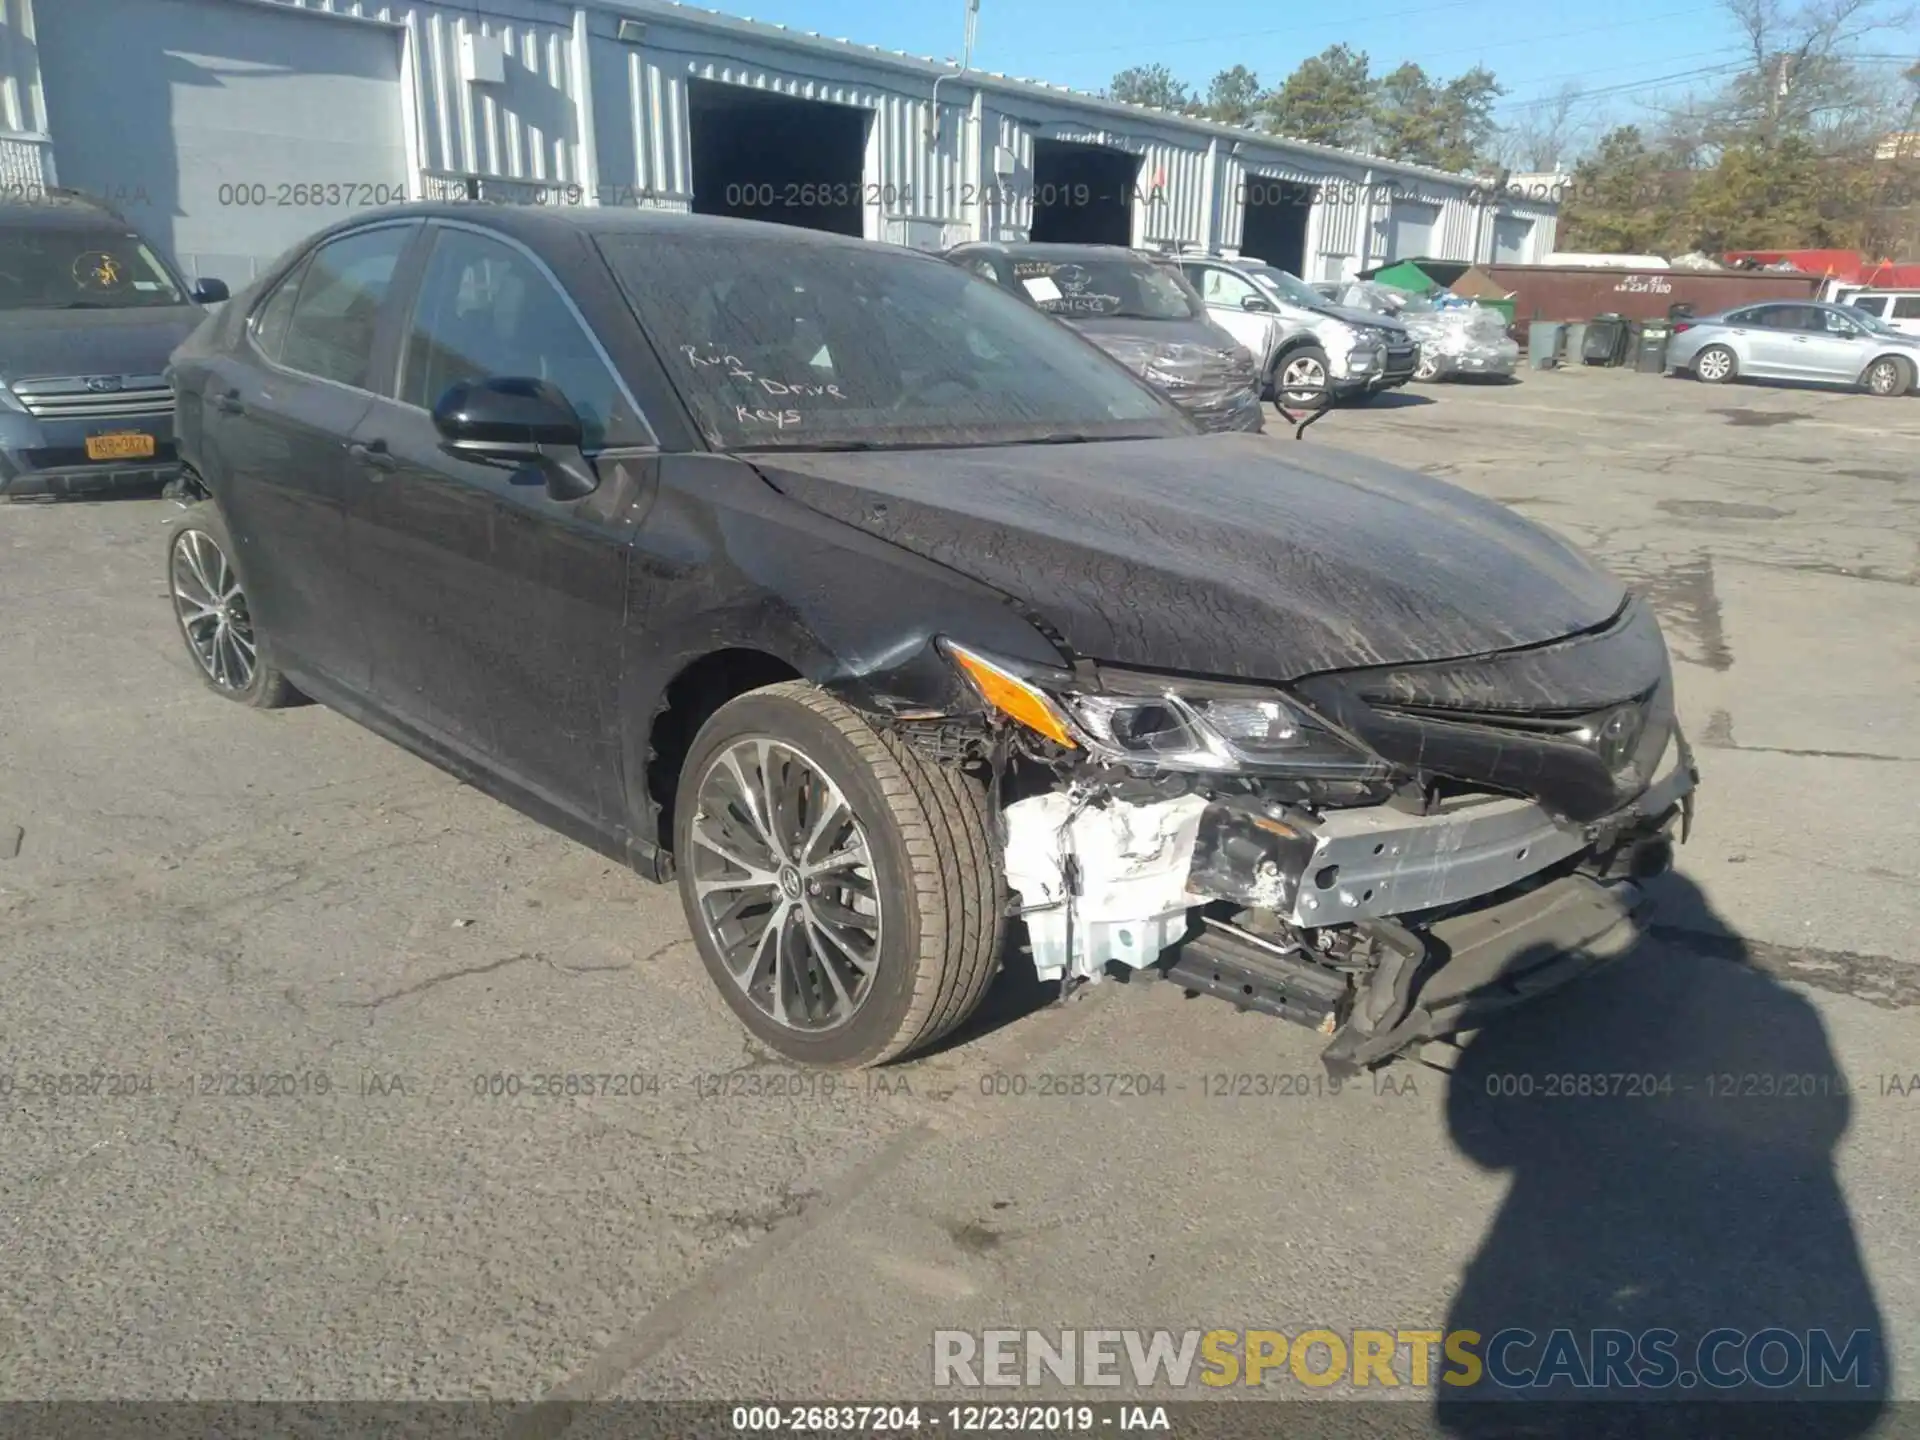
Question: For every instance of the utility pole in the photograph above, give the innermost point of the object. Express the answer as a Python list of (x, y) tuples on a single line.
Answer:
[(1783, 81)]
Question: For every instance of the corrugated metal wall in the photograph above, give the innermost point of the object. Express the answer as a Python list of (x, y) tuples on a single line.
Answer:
[(601, 119), (526, 129)]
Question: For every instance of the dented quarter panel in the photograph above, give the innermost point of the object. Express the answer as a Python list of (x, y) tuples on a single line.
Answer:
[(1222, 555), (724, 562)]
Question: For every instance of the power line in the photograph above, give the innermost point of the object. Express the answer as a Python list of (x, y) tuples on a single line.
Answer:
[(1636, 87), (1605, 70)]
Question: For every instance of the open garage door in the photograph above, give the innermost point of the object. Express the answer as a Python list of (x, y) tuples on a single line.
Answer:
[(762, 156), (1273, 224), (224, 131), (1083, 194)]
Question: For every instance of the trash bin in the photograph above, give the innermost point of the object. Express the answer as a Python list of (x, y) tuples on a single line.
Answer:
[(1651, 358), (1575, 343), (1606, 335), (1543, 343), (1680, 310)]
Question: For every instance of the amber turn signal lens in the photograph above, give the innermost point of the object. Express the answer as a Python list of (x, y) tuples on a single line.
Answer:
[(1013, 698)]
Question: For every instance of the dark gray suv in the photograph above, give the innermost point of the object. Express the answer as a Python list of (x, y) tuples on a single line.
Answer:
[(89, 313), (1139, 309)]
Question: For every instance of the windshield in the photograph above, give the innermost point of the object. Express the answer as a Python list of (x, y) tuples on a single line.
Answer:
[(81, 268), (1287, 288), (1107, 289), (780, 345), (1870, 321)]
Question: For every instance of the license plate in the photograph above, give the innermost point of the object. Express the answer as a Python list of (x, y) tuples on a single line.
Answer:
[(119, 447)]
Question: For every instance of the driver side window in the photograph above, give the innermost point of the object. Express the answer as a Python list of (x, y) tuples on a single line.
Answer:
[(1223, 287), (486, 310)]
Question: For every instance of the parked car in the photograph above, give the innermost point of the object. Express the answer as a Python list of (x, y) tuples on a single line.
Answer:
[(89, 312), (1796, 340), (1138, 309), (1898, 309), (851, 592), (1308, 346)]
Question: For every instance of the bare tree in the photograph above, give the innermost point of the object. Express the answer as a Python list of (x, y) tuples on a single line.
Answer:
[(1801, 79), (1551, 133)]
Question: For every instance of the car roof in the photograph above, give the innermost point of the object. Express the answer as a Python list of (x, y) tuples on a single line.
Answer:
[(59, 209), (534, 223), (1055, 250)]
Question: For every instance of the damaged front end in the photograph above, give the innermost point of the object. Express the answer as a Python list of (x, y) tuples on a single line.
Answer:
[(1385, 856)]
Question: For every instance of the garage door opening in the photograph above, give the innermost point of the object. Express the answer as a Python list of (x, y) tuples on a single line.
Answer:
[(1274, 222), (1083, 194), (758, 156)]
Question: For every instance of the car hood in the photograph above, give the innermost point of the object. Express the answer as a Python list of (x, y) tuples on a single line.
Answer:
[(1222, 554), (1105, 332), (1354, 316), (36, 343)]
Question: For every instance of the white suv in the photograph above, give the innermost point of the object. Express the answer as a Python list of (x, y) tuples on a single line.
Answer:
[(1308, 347)]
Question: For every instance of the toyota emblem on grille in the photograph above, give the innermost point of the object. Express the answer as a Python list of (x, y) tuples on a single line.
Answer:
[(103, 384)]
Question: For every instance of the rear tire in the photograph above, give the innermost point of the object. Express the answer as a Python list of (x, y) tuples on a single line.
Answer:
[(922, 904), (1716, 365), (231, 655), (1889, 375)]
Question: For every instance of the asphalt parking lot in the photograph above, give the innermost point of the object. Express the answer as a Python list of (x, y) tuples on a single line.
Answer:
[(193, 895)]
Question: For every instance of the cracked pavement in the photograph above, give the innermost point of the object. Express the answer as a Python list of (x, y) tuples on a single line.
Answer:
[(313, 965)]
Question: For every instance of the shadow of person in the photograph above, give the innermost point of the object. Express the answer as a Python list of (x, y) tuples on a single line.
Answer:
[(1690, 1190)]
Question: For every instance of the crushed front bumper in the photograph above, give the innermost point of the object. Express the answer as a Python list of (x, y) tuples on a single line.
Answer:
[(1376, 926)]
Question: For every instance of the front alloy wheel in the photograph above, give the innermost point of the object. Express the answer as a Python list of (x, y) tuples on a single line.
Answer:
[(1303, 379), (846, 894), (1887, 376), (785, 883)]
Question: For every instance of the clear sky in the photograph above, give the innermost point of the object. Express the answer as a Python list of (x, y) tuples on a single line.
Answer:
[(1534, 49)]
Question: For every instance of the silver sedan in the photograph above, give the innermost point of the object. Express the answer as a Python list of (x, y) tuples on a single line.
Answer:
[(1797, 340)]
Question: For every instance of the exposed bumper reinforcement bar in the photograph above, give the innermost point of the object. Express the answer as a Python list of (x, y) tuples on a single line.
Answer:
[(1485, 961), (1452, 977)]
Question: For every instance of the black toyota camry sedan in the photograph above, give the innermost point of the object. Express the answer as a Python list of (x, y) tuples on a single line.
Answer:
[(881, 612)]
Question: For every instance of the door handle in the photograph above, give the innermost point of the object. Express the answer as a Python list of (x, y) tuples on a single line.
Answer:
[(374, 455), (229, 403)]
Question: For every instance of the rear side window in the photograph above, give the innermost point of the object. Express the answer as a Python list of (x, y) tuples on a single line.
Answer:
[(1744, 317), (1907, 307), (270, 320), (330, 332)]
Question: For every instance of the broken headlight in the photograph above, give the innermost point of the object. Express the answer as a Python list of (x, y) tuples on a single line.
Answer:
[(1169, 724)]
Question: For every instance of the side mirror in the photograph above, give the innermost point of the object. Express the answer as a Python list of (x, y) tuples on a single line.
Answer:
[(520, 422), (211, 292), (1257, 303)]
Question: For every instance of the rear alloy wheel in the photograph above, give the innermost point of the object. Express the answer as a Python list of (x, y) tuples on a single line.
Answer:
[(211, 607), (1301, 383), (1888, 376), (844, 893), (1715, 365)]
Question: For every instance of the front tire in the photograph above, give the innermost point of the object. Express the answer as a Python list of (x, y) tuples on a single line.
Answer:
[(1889, 375), (1428, 369), (1716, 365), (845, 895), (210, 607), (1300, 379)]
